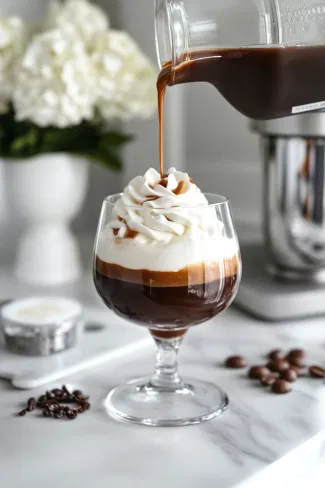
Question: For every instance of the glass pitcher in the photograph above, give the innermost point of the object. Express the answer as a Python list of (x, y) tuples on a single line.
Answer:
[(266, 57)]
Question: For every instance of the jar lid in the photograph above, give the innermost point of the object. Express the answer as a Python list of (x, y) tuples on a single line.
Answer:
[(41, 325)]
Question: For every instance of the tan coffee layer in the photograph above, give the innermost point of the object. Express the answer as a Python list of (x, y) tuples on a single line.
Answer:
[(168, 334), (196, 274)]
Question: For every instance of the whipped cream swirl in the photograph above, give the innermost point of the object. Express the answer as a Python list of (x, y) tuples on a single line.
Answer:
[(159, 209)]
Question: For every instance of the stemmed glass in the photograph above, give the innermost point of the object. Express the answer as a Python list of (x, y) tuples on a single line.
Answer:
[(168, 287)]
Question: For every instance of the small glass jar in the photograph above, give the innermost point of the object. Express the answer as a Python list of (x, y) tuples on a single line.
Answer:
[(191, 25), (41, 326)]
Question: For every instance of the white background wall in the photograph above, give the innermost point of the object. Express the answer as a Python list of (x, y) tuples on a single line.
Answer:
[(220, 152)]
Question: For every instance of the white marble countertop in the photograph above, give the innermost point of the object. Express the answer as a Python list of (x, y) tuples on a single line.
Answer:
[(261, 441)]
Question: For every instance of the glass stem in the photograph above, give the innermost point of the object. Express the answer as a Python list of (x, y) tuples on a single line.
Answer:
[(166, 374)]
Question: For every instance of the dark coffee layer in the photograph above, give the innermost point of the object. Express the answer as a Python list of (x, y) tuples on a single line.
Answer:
[(195, 274), (173, 306), (261, 83)]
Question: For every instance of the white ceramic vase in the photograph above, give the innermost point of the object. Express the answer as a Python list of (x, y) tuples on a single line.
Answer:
[(48, 191)]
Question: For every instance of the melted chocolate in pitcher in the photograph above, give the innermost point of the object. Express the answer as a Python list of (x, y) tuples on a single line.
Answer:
[(261, 83)]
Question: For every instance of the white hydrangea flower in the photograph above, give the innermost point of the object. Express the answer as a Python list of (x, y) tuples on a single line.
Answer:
[(89, 20), (126, 78), (12, 41), (55, 82)]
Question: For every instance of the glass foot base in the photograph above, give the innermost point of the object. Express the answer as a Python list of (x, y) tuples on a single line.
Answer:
[(141, 403)]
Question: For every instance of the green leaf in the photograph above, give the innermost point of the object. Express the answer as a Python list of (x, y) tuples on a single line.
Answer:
[(108, 160), (115, 139), (90, 139), (25, 143)]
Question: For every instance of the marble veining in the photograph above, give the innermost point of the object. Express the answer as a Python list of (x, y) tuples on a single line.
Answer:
[(263, 440)]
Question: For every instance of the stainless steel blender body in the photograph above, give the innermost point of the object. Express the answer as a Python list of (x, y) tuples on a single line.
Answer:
[(293, 152)]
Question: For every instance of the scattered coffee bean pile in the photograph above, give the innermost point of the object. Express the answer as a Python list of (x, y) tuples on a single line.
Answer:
[(280, 371), (58, 404)]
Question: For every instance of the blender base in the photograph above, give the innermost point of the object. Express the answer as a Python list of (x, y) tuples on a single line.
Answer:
[(273, 299)]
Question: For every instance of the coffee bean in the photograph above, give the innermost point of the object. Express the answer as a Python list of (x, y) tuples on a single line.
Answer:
[(71, 415), (40, 404), (50, 395), (301, 353), (65, 390), (80, 409), (86, 406), (289, 375), (53, 407), (78, 393), (296, 361), (317, 372), (70, 399), (57, 392), (59, 414), (268, 379), (47, 413), (82, 398), (236, 362), (42, 399), (48, 401), (296, 357), (299, 370), (257, 372), (281, 386), (79, 400), (276, 354), (278, 365), (22, 413), (31, 404)]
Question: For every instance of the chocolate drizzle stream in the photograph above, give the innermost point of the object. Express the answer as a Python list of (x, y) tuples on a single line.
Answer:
[(164, 79)]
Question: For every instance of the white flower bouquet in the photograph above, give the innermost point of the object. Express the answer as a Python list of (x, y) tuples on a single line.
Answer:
[(65, 86)]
